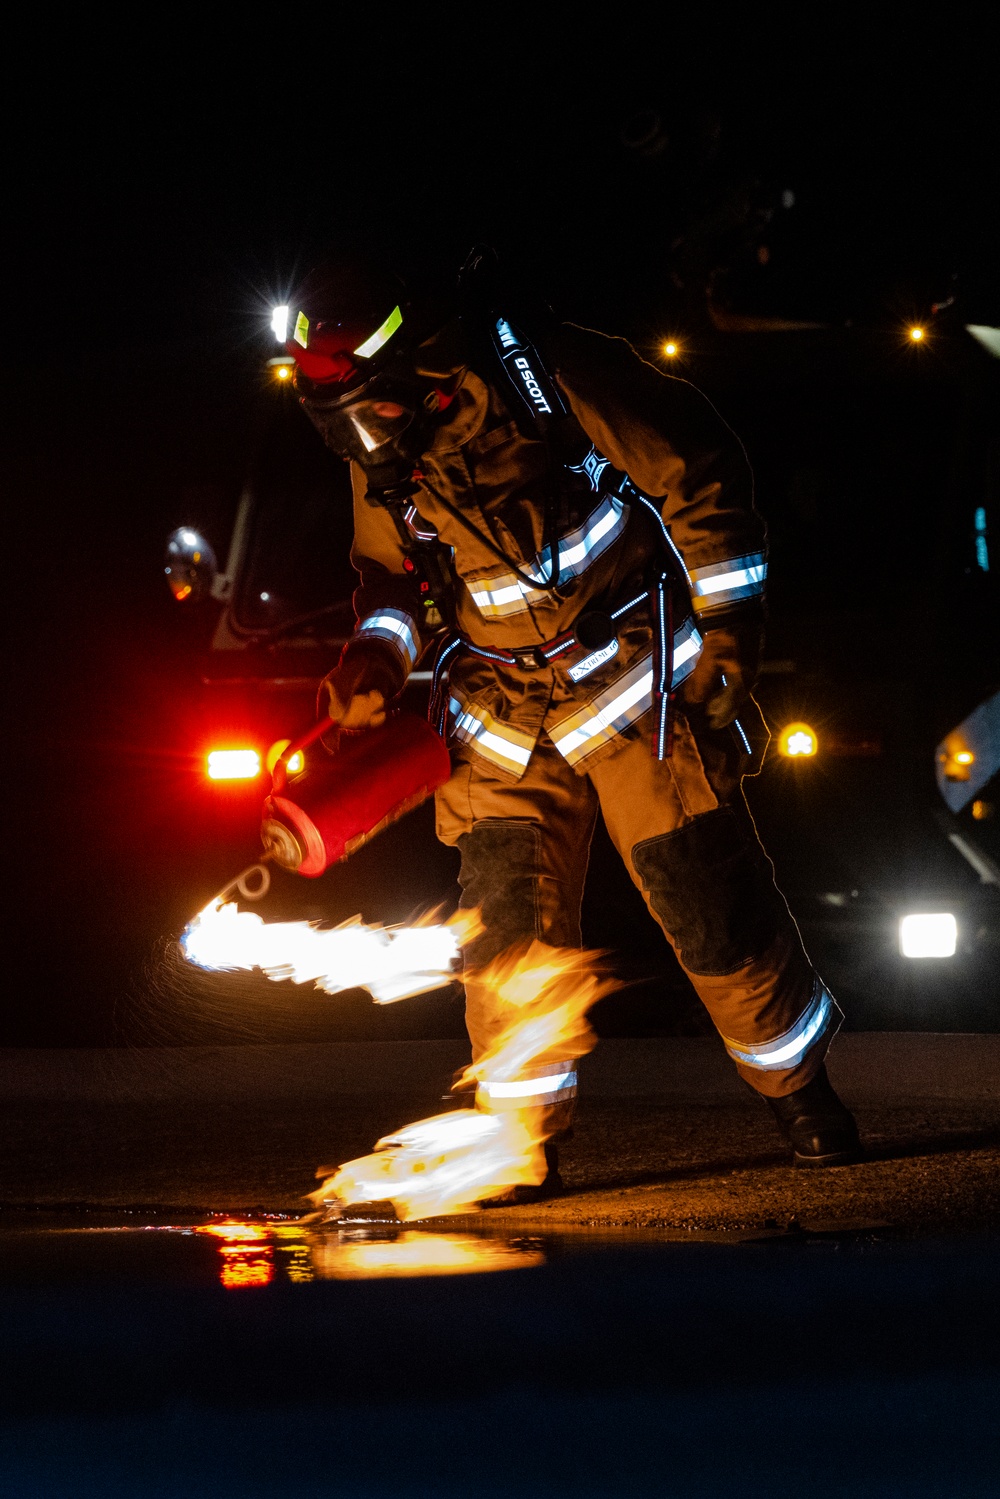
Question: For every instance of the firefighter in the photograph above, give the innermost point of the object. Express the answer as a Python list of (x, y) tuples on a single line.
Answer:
[(578, 532)]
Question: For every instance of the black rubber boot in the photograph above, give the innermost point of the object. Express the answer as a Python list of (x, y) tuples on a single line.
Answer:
[(524, 1194), (817, 1125)]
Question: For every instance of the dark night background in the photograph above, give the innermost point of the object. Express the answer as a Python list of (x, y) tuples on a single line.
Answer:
[(167, 184)]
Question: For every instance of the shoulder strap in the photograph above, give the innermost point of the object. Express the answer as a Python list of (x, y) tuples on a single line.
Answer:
[(521, 362), (502, 351)]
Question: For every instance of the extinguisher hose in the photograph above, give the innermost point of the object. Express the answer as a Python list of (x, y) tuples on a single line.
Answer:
[(251, 883), (279, 774)]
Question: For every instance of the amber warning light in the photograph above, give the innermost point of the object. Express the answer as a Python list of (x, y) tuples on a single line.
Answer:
[(798, 741)]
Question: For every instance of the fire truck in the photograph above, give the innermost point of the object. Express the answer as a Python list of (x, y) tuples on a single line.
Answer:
[(878, 469)]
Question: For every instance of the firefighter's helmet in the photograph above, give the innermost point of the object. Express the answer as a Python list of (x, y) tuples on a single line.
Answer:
[(352, 332)]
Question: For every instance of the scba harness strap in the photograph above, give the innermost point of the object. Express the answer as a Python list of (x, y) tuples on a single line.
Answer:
[(539, 406), (528, 376)]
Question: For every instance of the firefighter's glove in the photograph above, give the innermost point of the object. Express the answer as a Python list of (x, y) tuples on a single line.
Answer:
[(725, 674), (356, 691)]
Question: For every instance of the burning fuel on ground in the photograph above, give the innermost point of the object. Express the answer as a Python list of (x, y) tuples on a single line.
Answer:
[(455, 1161)]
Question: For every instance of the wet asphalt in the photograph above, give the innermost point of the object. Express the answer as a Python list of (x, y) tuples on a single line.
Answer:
[(693, 1317), (243, 1129)]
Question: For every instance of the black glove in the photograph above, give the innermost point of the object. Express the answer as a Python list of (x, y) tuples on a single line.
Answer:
[(356, 691), (726, 672)]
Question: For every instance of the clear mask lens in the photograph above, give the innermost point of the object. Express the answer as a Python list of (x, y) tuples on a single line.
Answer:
[(373, 424)]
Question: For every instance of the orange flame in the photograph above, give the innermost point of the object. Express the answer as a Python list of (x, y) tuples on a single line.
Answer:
[(454, 1162), (392, 963)]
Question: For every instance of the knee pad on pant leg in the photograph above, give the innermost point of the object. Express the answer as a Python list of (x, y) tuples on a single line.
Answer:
[(501, 863), (711, 886)]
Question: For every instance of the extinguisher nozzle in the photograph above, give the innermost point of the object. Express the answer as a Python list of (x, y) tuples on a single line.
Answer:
[(280, 844)]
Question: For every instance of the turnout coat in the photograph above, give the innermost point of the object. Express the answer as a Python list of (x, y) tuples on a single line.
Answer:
[(651, 483)]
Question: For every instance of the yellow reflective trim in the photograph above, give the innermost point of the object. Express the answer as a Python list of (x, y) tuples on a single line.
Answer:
[(380, 336), (301, 334)]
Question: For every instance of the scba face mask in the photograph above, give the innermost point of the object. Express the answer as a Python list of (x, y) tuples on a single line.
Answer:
[(385, 426), (351, 333)]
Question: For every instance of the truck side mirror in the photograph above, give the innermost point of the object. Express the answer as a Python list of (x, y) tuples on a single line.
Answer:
[(191, 567)]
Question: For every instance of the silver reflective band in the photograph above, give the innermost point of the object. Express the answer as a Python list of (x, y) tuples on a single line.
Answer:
[(529, 1087), (395, 627), (727, 582), (505, 594), (499, 742), (603, 525), (787, 1050), (624, 702)]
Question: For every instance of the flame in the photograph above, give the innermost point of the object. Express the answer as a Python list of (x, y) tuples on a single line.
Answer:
[(392, 963), (454, 1162), (544, 994)]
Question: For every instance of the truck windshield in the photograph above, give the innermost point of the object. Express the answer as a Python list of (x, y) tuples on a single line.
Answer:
[(295, 573)]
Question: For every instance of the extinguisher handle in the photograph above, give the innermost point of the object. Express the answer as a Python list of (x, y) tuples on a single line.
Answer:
[(279, 775)]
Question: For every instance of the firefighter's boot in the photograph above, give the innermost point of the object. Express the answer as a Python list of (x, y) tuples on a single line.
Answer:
[(524, 1194), (819, 1127)]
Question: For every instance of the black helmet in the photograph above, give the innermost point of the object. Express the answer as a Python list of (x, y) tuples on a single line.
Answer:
[(352, 332)]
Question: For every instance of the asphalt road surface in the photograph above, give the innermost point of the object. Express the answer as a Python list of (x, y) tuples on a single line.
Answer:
[(693, 1318), (667, 1138)]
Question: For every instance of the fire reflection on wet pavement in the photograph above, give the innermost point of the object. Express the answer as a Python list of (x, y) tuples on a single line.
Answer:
[(249, 1254)]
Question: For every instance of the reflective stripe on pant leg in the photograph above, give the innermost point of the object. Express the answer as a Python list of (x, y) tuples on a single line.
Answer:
[(710, 886), (534, 1087), (545, 1097), (524, 849), (788, 1050)]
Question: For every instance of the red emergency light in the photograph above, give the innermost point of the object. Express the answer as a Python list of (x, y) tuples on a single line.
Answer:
[(233, 764)]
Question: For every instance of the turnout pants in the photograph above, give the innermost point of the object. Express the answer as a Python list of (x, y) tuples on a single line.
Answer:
[(686, 836)]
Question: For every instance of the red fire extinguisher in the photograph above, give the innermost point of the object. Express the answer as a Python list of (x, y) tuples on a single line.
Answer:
[(340, 800)]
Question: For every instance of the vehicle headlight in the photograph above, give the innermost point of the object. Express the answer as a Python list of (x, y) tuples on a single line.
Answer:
[(928, 935)]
